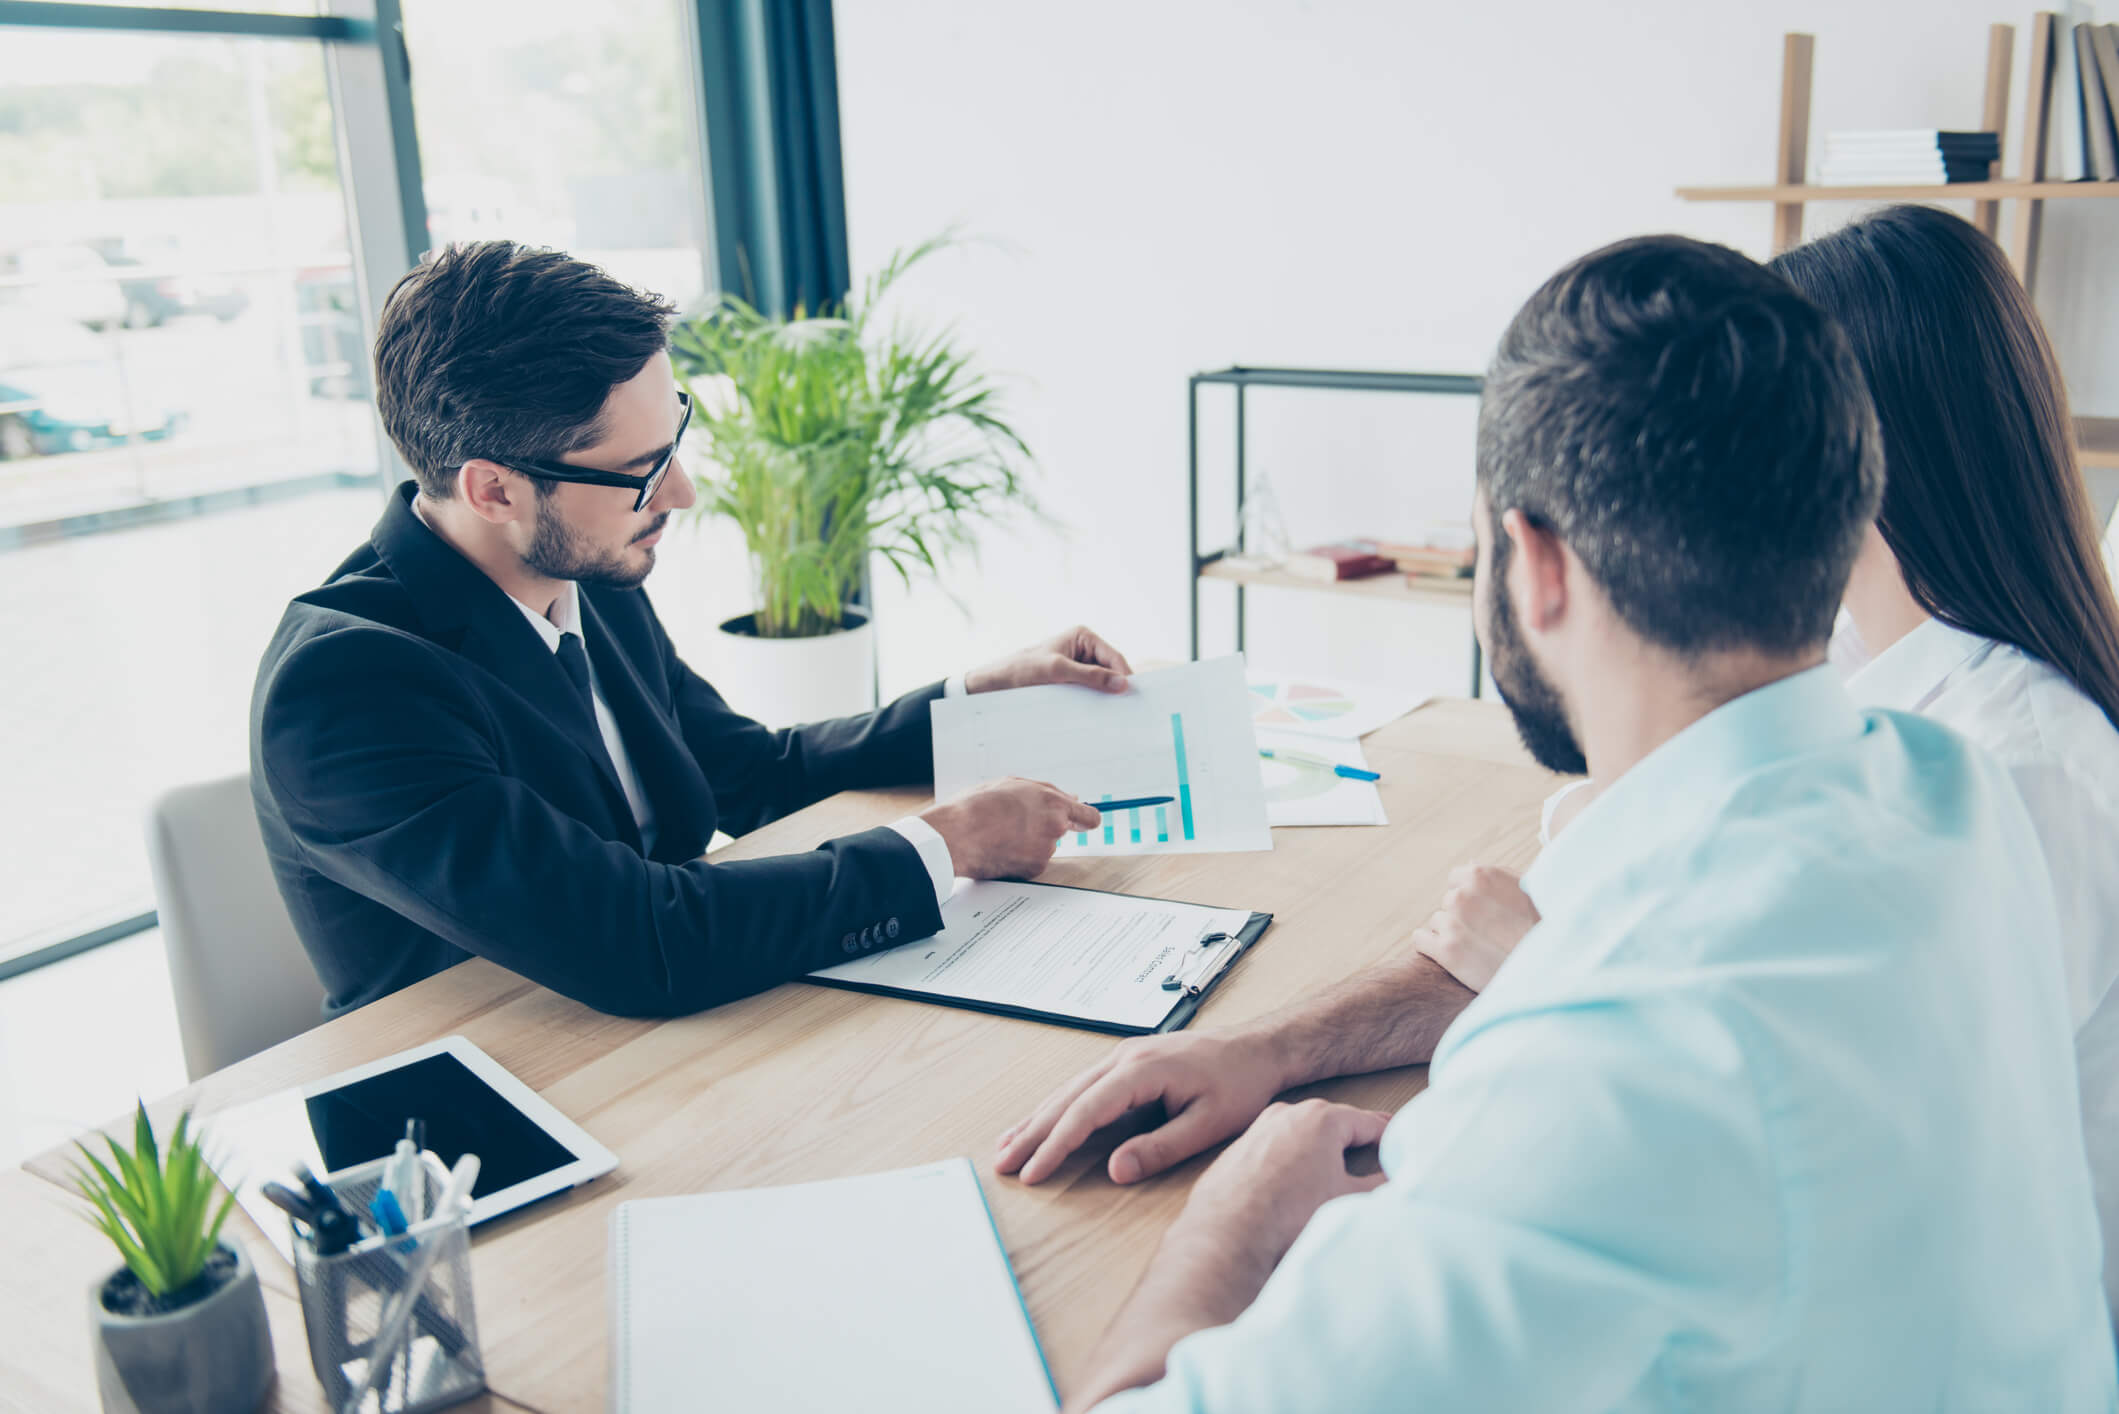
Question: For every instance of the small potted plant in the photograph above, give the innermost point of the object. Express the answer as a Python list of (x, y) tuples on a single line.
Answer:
[(180, 1328), (828, 440)]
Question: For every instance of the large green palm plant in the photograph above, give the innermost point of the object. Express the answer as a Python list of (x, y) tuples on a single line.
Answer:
[(831, 438)]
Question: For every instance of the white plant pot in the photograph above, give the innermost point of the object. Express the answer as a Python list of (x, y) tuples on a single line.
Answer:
[(784, 682)]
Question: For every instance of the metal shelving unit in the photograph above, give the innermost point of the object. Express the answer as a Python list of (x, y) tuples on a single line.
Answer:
[(1215, 564)]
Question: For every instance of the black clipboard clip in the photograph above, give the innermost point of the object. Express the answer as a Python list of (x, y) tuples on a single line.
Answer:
[(1192, 979)]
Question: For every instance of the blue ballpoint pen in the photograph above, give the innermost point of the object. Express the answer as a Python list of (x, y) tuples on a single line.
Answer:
[(1137, 803), (1352, 773)]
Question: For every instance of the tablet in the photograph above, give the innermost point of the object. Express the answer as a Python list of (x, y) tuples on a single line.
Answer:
[(469, 1104)]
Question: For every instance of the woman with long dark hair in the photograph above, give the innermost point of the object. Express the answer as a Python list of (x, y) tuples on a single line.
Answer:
[(1980, 599)]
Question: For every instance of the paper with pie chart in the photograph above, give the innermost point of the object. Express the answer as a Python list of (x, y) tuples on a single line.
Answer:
[(1179, 734), (1326, 707), (1303, 789)]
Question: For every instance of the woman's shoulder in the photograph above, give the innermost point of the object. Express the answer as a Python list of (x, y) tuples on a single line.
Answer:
[(2029, 714)]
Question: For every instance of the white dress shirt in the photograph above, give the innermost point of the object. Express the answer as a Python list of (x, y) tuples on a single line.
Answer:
[(566, 618), (2063, 754)]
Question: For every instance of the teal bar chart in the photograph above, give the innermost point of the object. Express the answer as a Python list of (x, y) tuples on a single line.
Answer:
[(1184, 779), (1180, 737)]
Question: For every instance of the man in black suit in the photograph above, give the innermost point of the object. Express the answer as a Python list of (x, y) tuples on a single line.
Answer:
[(475, 737)]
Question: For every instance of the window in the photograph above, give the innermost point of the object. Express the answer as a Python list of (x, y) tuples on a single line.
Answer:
[(267, 7), (187, 431), (186, 436), (567, 125)]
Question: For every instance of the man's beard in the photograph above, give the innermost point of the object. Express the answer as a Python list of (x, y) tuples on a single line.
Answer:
[(1541, 718), (556, 552)]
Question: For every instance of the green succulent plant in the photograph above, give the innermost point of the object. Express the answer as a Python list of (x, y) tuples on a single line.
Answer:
[(833, 438), (156, 1204)]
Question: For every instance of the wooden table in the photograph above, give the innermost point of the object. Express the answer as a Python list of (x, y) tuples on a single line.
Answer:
[(805, 1082)]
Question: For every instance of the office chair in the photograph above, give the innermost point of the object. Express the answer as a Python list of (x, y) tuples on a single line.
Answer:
[(241, 979)]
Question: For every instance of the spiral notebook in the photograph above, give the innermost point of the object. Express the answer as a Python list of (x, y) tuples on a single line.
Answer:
[(884, 1293)]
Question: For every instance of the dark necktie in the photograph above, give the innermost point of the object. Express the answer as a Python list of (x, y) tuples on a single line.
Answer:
[(575, 659)]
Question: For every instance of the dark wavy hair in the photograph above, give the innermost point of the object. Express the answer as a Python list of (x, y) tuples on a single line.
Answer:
[(1984, 503), (1697, 433), (496, 349)]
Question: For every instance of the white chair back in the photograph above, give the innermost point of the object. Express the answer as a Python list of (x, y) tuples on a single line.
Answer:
[(241, 978)]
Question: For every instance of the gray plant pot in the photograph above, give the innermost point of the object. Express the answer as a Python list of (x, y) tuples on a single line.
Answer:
[(212, 1357)]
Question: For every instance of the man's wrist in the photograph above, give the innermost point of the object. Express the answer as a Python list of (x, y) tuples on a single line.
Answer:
[(935, 854), (1279, 1042), (940, 819)]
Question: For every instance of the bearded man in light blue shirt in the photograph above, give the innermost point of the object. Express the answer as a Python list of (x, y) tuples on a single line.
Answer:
[(1776, 1109)]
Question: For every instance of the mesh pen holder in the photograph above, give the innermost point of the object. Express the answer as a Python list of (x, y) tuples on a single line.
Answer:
[(346, 1296)]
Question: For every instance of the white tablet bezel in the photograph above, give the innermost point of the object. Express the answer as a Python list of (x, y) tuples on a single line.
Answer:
[(592, 1160)]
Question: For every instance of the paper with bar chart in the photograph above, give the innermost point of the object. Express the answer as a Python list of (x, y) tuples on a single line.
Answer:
[(1322, 707), (1182, 732)]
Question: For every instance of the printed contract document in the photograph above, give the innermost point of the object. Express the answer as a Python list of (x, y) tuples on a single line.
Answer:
[(1110, 962)]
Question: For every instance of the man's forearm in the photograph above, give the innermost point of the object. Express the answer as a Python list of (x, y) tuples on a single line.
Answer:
[(1192, 1283), (1390, 1015)]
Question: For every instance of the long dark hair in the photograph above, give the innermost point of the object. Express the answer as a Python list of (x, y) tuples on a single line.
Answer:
[(1983, 501)]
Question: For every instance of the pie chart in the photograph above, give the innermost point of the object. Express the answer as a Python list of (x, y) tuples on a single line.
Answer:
[(1296, 704), (1297, 780)]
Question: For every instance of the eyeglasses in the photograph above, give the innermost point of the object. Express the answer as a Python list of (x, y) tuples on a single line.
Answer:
[(646, 486)]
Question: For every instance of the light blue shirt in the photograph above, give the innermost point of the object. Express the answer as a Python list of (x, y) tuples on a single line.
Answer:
[(1774, 1111)]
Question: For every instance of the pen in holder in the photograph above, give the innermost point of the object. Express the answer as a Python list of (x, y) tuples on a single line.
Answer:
[(400, 1304)]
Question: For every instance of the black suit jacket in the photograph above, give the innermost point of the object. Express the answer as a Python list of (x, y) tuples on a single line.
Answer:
[(430, 786)]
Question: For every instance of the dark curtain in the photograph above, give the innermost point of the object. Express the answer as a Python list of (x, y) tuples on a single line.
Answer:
[(770, 86)]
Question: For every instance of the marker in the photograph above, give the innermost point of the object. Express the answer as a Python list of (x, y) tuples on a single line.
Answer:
[(1131, 804), (1352, 773), (401, 1181), (422, 1200), (389, 1215)]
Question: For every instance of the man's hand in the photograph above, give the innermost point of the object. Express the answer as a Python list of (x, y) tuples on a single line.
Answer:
[(1210, 1087), (1260, 1194), (1482, 918), (1006, 829), (1076, 656)]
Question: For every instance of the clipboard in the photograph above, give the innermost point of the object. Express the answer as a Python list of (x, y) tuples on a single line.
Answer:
[(1234, 947)]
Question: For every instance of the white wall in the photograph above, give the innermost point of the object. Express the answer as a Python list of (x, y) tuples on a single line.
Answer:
[(1174, 185)]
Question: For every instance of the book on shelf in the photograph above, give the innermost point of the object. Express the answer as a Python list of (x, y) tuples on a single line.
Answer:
[(2104, 43), (1917, 140), (1345, 559), (2067, 159), (1900, 174), (1918, 157), (1441, 551), (2098, 137)]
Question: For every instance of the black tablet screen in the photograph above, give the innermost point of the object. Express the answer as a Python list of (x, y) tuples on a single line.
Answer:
[(364, 1120)]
